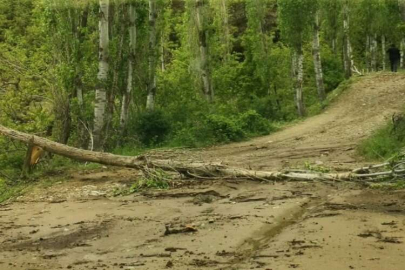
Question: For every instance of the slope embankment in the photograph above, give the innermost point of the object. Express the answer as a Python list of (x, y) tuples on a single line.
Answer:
[(329, 138)]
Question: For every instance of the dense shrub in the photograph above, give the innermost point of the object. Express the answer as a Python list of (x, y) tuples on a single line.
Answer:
[(254, 124), (224, 129), (383, 144), (152, 127), (190, 137)]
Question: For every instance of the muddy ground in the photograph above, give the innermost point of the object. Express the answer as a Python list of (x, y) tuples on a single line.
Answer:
[(225, 223)]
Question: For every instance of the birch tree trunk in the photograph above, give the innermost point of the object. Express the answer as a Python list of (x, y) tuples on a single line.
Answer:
[(374, 49), (368, 53), (203, 49), (227, 36), (334, 46), (162, 53), (116, 67), (79, 71), (189, 169), (401, 4), (102, 76), (402, 48), (317, 61), (347, 58), (383, 52), (150, 103), (126, 99), (298, 70)]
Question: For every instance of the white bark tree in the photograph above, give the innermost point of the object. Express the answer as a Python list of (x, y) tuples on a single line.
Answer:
[(298, 72), (347, 50), (296, 23), (102, 76), (316, 52), (150, 103), (227, 32), (126, 99), (203, 50), (402, 49), (383, 52), (374, 50), (401, 4)]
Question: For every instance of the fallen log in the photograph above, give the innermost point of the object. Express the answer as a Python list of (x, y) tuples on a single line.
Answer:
[(191, 169), (73, 153)]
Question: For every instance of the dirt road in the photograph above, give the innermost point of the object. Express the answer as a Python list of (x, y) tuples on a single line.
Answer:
[(330, 137), (225, 224)]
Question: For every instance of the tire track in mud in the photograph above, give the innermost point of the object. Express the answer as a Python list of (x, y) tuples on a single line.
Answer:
[(260, 239), (79, 237)]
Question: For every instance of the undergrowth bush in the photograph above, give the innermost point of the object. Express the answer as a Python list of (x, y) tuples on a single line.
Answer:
[(254, 124), (224, 129), (383, 144), (217, 128), (152, 127), (156, 179)]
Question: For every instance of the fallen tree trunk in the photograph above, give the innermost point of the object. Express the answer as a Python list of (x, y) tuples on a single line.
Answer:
[(191, 169), (73, 153)]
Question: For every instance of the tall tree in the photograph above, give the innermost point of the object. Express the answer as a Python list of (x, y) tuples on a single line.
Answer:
[(401, 4), (316, 51), (331, 11), (152, 57), (347, 47), (126, 99), (80, 35), (257, 40), (225, 28), (201, 24), (296, 19), (103, 68)]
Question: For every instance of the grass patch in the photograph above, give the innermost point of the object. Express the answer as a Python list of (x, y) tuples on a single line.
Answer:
[(316, 168), (317, 108), (386, 145), (45, 174), (153, 179), (156, 179), (382, 145), (10, 188), (397, 185)]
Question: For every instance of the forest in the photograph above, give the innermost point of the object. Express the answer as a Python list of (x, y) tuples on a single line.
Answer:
[(202, 134), (122, 76)]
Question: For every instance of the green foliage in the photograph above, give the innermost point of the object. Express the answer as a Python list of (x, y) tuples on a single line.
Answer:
[(217, 128), (316, 168), (383, 144), (9, 190), (49, 50), (191, 137), (224, 129), (254, 123), (156, 179), (296, 18), (152, 127), (391, 185)]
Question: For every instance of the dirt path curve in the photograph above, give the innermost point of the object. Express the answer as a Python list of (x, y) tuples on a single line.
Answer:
[(330, 137), (77, 223)]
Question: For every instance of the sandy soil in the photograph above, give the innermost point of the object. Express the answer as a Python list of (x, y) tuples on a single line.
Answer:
[(330, 137), (225, 224)]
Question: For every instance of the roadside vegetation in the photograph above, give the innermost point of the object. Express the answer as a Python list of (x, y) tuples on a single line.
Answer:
[(386, 143), (156, 73)]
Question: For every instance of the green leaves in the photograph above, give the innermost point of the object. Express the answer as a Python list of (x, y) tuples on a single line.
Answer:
[(296, 19)]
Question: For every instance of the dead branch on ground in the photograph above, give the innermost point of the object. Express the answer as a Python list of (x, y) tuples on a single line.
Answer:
[(207, 170)]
